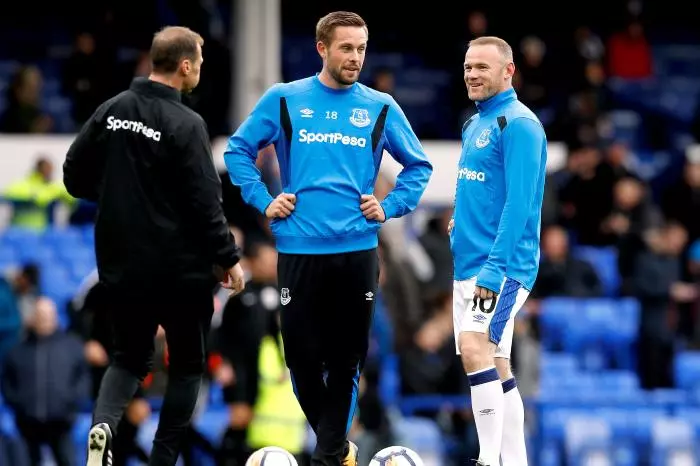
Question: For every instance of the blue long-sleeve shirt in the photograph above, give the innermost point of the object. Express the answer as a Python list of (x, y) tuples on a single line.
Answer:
[(329, 144), (498, 202)]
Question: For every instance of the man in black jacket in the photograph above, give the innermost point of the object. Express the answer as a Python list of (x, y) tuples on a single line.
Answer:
[(161, 237)]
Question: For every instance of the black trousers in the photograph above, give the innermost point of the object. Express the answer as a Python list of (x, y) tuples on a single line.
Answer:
[(327, 309), (55, 434), (184, 311)]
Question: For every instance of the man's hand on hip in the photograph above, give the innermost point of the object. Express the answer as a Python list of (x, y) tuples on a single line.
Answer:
[(282, 206), (483, 293), (371, 208), (234, 279)]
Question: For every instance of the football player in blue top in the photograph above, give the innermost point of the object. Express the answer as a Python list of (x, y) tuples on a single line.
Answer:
[(495, 237), (329, 133)]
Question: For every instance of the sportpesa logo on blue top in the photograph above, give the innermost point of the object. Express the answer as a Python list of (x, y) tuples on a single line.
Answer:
[(331, 138), (467, 174)]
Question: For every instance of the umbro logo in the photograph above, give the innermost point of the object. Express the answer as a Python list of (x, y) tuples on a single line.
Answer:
[(285, 297), (306, 113), (369, 296)]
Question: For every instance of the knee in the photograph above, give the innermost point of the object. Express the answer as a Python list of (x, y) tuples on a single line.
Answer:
[(474, 351), (138, 366), (194, 366)]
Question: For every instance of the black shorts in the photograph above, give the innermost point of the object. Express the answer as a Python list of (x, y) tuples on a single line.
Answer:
[(327, 306)]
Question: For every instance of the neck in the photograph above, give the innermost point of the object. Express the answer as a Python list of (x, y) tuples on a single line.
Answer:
[(327, 80), (167, 80)]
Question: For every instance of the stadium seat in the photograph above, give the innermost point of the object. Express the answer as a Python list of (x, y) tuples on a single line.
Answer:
[(604, 261), (8, 256), (212, 423), (673, 437), (559, 364), (60, 237), (686, 370), (603, 333), (555, 316), (423, 435), (588, 437)]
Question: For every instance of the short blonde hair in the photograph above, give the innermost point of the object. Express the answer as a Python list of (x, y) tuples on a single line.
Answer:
[(502, 46)]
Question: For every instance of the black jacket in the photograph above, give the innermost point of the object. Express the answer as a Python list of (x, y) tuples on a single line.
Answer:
[(46, 378), (145, 158)]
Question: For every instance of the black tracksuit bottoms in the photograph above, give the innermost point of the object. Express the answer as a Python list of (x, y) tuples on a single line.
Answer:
[(184, 311), (327, 309)]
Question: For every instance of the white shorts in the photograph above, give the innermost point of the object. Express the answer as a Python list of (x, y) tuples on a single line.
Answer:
[(497, 317)]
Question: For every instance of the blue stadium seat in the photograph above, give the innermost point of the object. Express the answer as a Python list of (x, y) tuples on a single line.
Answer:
[(21, 238), (76, 253), (587, 437), (212, 423), (604, 261), (8, 256), (423, 435), (603, 333), (556, 314), (61, 237), (673, 437), (560, 364), (549, 455), (39, 254), (686, 369)]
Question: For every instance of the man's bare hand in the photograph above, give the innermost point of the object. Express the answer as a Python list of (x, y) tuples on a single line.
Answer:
[(450, 226), (483, 293), (282, 206), (234, 279), (371, 208)]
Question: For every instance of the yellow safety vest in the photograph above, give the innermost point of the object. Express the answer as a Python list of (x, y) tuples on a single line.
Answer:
[(33, 196), (278, 419)]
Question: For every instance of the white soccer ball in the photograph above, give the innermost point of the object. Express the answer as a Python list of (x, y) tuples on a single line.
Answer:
[(271, 456), (396, 456)]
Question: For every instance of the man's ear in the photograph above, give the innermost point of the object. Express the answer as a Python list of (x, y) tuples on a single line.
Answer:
[(321, 49), (186, 67)]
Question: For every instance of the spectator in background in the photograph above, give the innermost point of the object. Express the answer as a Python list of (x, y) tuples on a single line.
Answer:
[(44, 381), (10, 320), (586, 197), (681, 200), (31, 196), (82, 78), (25, 284), (629, 53), (536, 82), (657, 276), (383, 80), (632, 215), (562, 274), (23, 113)]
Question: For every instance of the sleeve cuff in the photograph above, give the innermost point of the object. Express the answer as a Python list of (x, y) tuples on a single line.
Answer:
[(389, 209), (490, 279), (262, 201)]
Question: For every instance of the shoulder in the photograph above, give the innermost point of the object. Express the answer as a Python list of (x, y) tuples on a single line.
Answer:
[(376, 96), (517, 113), (189, 119), (290, 88)]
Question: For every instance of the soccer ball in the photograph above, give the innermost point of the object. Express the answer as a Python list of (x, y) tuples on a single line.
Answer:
[(271, 456), (396, 456)]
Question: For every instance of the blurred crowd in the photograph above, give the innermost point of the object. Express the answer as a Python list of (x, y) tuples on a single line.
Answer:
[(602, 197)]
